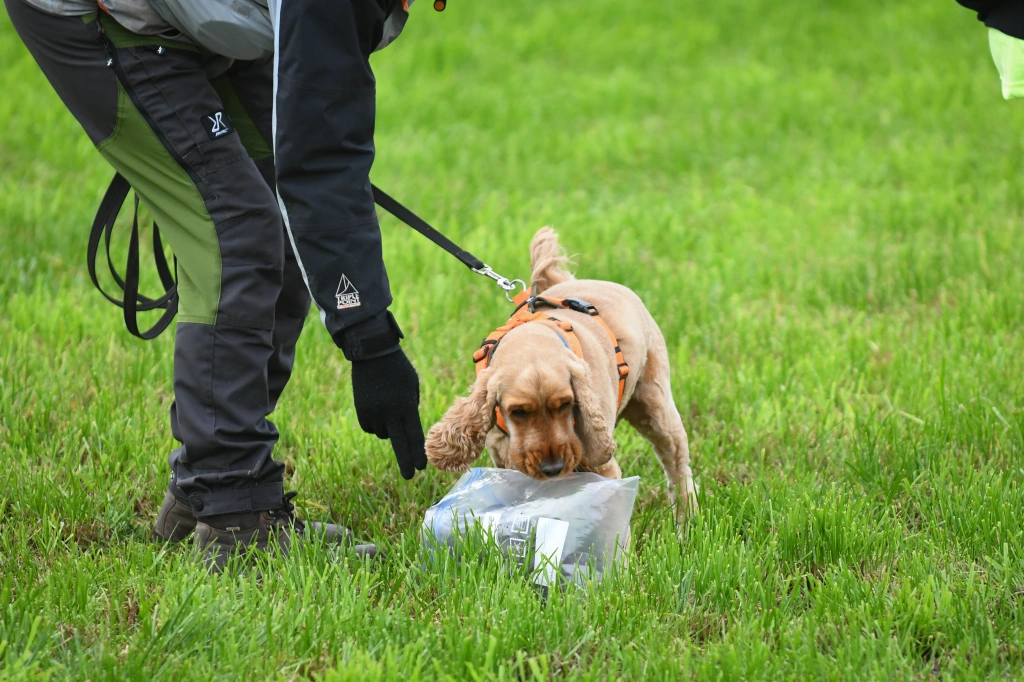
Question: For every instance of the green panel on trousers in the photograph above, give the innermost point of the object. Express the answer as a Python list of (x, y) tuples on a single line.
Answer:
[(169, 194)]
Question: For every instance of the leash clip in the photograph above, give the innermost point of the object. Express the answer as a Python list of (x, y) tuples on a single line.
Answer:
[(505, 283)]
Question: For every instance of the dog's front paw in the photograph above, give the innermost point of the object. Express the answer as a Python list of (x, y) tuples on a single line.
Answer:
[(448, 464), (448, 451)]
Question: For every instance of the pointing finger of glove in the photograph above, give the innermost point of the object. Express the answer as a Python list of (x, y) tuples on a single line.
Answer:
[(400, 444), (417, 443)]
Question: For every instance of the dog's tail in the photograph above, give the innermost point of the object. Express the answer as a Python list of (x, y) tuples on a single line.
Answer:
[(548, 260)]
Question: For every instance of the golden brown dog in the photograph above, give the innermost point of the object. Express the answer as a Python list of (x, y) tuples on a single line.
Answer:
[(561, 411)]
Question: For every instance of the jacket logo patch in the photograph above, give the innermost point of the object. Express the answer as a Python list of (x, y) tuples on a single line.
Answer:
[(217, 124), (347, 295)]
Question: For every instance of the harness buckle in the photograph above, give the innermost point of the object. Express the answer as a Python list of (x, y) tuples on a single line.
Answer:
[(505, 283), (580, 306)]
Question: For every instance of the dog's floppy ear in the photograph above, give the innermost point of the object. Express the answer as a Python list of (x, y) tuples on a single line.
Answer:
[(456, 441), (593, 429)]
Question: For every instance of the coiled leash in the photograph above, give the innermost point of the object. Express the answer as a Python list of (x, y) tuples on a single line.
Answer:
[(133, 302)]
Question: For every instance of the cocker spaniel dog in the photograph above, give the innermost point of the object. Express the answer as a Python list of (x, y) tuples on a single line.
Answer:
[(552, 384)]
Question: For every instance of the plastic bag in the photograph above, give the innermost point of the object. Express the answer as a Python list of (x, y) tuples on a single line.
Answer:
[(576, 526)]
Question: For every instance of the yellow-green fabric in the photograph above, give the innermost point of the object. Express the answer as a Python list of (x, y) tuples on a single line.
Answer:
[(1008, 54), (169, 194)]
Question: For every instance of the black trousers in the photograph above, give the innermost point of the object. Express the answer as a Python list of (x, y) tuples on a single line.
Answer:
[(196, 146)]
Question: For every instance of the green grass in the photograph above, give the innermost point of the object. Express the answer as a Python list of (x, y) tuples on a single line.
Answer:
[(820, 202)]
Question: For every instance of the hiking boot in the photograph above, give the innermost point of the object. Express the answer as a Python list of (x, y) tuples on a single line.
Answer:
[(224, 535), (174, 521)]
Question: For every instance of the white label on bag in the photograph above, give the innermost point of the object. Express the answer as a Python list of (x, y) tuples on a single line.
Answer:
[(489, 521), (550, 543)]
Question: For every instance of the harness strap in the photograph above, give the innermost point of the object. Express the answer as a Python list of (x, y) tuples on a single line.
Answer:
[(582, 306), (525, 312)]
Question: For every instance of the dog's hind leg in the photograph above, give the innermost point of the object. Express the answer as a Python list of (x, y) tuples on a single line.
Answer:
[(652, 411)]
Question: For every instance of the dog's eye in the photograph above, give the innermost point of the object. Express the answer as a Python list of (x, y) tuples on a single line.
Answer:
[(518, 413), (564, 407)]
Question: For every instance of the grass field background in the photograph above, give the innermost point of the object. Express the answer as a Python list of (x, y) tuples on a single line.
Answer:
[(820, 202)]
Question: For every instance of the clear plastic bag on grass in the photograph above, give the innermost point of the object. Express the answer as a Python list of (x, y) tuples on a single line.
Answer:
[(576, 527)]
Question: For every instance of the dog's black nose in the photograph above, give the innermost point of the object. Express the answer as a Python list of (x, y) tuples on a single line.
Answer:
[(552, 467)]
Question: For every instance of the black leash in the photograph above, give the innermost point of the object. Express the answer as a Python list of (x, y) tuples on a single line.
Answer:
[(465, 257), (415, 222), (133, 302)]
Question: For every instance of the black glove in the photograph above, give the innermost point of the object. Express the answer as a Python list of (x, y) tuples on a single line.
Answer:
[(386, 391)]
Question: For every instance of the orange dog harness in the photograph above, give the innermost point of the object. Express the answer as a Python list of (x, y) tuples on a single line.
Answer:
[(525, 312)]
